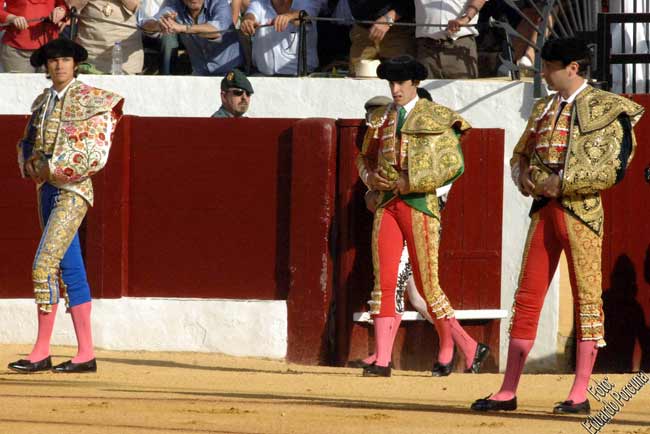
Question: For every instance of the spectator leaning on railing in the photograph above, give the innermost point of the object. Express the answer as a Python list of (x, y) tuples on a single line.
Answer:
[(23, 36), (99, 37), (275, 48), (450, 52), (381, 40), (206, 30)]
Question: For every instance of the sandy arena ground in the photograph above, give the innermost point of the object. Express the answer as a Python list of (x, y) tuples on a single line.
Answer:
[(155, 393)]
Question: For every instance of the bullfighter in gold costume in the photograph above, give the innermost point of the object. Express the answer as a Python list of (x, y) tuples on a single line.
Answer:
[(577, 143), (67, 140), (412, 148)]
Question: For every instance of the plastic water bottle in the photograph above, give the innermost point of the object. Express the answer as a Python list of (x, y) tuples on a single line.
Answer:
[(117, 60)]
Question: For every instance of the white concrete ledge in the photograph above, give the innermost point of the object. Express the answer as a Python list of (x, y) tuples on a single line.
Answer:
[(460, 315), (254, 328)]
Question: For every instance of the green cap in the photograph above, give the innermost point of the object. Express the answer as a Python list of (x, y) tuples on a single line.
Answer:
[(236, 78)]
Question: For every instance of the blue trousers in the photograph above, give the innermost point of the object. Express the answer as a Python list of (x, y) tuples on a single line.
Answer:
[(58, 261)]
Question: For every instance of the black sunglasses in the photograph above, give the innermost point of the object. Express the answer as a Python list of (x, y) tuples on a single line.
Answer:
[(239, 92)]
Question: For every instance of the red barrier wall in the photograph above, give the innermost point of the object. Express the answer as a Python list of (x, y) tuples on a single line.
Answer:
[(626, 262), (209, 208), (19, 229)]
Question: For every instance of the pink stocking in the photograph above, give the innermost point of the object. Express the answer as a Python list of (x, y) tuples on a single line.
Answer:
[(446, 350), (45, 326), (517, 353), (394, 329), (383, 344), (82, 328), (464, 341), (585, 358)]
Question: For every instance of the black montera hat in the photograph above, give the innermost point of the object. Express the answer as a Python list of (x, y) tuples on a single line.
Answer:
[(236, 78), (58, 48), (401, 68), (565, 50)]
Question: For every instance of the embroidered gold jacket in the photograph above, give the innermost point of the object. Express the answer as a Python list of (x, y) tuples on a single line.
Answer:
[(83, 138), (429, 150), (597, 153)]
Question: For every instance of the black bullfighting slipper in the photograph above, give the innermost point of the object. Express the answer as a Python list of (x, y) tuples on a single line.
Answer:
[(376, 371), (25, 366), (442, 370), (486, 404), (569, 407), (480, 355), (358, 363), (75, 368)]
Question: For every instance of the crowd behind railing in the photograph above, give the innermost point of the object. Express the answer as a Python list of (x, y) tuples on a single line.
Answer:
[(211, 37), (452, 38)]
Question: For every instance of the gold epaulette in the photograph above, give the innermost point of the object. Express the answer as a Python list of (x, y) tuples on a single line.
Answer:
[(430, 118), (597, 108)]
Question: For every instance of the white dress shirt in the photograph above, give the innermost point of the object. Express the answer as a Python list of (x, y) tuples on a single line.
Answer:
[(441, 12)]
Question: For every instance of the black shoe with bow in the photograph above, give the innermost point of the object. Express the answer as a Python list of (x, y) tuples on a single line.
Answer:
[(441, 369), (376, 371), (487, 404), (75, 368), (480, 355), (358, 363), (25, 366), (569, 407)]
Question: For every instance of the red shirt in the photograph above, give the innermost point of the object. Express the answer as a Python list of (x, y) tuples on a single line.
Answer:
[(38, 33)]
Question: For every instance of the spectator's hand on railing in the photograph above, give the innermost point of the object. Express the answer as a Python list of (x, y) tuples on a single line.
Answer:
[(18, 22), (281, 22), (248, 26), (379, 29), (453, 26), (169, 25), (57, 14)]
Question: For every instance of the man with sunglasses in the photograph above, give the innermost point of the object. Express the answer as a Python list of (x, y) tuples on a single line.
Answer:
[(236, 93)]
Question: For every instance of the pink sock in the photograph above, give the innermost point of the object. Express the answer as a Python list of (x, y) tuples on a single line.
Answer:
[(45, 326), (517, 353), (383, 333), (446, 350), (585, 358), (82, 328), (464, 341), (394, 329)]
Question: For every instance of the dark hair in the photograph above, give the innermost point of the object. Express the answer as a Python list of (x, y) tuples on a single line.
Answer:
[(568, 50), (424, 94)]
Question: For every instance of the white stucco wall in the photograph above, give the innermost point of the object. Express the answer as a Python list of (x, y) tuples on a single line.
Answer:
[(256, 328), (484, 103)]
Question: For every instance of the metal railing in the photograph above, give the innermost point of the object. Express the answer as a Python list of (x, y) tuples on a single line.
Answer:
[(606, 59)]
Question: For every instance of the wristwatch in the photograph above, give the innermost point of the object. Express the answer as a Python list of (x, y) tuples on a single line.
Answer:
[(389, 20)]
